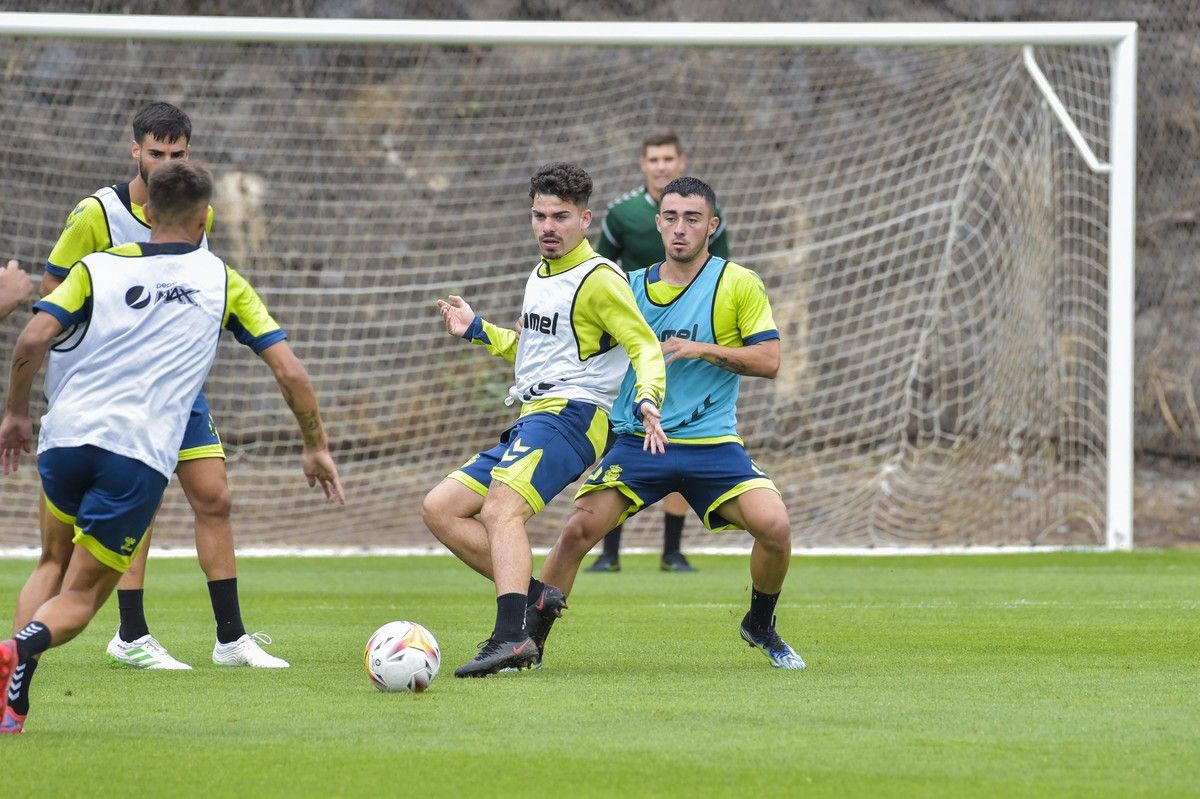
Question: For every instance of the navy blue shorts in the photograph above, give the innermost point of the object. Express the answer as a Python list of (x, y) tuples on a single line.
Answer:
[(109, 499), (540, 455), (200, 438), (707, 475)]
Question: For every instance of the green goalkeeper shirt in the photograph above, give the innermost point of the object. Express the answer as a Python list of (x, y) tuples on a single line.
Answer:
[(629, 237)]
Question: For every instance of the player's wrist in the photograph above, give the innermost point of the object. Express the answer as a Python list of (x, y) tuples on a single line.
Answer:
[(638, 413), (475, 329)]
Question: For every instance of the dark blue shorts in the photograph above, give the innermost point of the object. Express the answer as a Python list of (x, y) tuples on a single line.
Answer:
[(707, 475), (200, 438), (110, 499), (540, 455)]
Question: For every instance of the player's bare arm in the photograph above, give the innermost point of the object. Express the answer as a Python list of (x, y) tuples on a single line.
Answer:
[(15, 288), (297, 391), (755, 360), (16, 431), (49, 283)]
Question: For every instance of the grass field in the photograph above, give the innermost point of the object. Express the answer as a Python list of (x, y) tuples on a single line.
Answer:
[(1021, 675)]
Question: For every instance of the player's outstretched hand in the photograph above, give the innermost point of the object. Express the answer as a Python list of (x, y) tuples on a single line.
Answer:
[(16, 436), (319, 467), (456, 315), (656, 437)]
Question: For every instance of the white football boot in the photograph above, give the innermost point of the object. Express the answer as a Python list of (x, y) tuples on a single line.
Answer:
[(144, 653), (245, 651)]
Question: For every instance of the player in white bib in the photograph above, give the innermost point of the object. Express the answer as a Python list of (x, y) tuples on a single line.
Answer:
[(112, 216), (581, 330), (147, 318)]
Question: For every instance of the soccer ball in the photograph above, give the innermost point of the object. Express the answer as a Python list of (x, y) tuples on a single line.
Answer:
[(402, 656)]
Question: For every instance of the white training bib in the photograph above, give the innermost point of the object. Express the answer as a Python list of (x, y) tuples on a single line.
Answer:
[(127, 380), (548, 361)]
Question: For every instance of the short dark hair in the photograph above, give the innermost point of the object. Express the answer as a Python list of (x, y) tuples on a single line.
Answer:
[(179, 189), (163, 121), (563, 180), (688, 186), (661, 138)]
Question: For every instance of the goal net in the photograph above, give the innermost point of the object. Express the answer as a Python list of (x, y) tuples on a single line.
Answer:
[(934, 245)]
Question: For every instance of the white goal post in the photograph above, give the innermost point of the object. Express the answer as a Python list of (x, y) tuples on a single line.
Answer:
[(1021, 193)]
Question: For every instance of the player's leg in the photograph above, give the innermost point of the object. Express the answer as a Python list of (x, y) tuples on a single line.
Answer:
[(543, 454), (609, 559), (132, 644), (761, 512), (594, 513), (627, 480), (675, 508), (86, 586), (450, 509), (111, 500), (202, 476), (44, 582), (504, 514)]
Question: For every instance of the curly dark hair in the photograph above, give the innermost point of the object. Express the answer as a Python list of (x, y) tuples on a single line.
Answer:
[(688, 186), (566, 181)]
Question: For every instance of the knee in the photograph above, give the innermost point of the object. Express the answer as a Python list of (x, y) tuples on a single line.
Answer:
[(578, 535), (212, 501), (432, 512), (776, 534)]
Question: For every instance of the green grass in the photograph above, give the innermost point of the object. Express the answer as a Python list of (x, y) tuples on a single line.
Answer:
[(1021, 675)]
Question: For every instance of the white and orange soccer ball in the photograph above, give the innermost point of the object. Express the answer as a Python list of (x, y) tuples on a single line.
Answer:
[(402, 656)]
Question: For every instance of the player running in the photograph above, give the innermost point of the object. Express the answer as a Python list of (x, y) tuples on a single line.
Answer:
[(714, 320), (581, 333), (147, 319)]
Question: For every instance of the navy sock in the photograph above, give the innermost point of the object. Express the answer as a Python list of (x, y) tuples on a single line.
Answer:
[(226, 610), (133, 614), (762, 609), (18, 687), (31, 641), (535, 590), (672, 533), (510, 617), (612, 543)]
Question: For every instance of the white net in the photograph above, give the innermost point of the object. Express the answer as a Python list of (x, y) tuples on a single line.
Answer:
[(934, 248)]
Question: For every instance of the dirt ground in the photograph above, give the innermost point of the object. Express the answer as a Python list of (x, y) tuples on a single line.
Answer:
[(1166, 503)]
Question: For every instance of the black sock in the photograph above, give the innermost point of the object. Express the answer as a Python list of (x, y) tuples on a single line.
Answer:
[(535, 590), (510, 617), (18, 687), (672, 533), (612, 543), (133, 615), (226, 610), (762, 610), (33, 640)]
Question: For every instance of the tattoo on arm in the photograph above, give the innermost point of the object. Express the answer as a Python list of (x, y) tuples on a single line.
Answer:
[(309, 421), (19, 364), (731, 364)]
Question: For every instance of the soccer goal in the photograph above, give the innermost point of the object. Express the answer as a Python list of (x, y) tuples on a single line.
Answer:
[(943, 215)]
